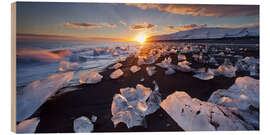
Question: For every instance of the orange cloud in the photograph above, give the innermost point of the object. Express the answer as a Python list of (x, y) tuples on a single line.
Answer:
[(123, 22), (89, 25), (202, 10), (142, 26), (185, 27)]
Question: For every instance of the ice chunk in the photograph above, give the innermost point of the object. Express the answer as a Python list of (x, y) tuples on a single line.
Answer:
[(227, 69), (93, 118), (115, 53), (37, 92), (142, 79), (150, 60), (213, 72), (166, 63), (169, 71), (181, 57), (151, 70), (204, 76), (68, 66), (82, 125), (91, 77), (213, 61), (133, 104), (244, 96), (135, 68), (221, 54), (116, 66), (116, 74), (182, 66), (140, 60), (195, 115), (27, 126)]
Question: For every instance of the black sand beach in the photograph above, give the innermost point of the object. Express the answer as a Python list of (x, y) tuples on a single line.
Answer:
[(58, 113)]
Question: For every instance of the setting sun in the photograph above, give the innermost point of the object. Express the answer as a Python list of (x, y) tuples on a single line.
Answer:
[(141, 37)]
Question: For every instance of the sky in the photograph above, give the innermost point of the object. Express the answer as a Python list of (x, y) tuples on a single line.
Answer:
[(123, 22)]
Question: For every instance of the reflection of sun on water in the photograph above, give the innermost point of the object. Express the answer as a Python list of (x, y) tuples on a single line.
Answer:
[(141, 37)]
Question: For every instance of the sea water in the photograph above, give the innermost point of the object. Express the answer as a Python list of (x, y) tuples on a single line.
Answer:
[(38, 60)]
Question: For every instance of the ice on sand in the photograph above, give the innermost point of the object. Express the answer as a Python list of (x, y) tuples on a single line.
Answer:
[(166, 63), (243, 96), (194, 115), (181, 57), (116, 74), (169, 71), (82, 125), (135, 69), (151, 70), (37, 92), (27, 126), (204, 76), (183, 66), (91, 77), (227, 69), (133, 104), (116, 66), (68, 66)]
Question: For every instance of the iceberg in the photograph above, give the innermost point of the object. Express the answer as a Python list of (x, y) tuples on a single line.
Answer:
[(133, 104), (242, 97), (169, 71), (135, 69), (82, 125), (151, 70), (27, 126), (116, 66), (68, 66), (37, 92), (204, 76), (191, 114), (181, 57), (91, 78), (227, 69), (116, 74), (166, 63), (183, 66)]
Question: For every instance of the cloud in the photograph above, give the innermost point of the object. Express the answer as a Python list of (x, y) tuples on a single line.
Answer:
[(88, 25), (29, 37), (195, 26), (185, 27), (142, 26), (123, 22), (203, 10)]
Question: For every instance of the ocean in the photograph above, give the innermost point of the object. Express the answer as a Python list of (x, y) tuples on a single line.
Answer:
[(38, 60)]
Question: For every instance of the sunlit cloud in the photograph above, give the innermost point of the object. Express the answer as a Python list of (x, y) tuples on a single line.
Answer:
[(28, 37), (195, 26), (123, 22), (89, 25), (142, 26), (185, 27), (203, 10)]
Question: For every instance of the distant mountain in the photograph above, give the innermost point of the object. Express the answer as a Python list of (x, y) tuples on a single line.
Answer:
[(209, 33)]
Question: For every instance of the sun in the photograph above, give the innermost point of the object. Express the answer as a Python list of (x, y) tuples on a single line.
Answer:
[(141, 37)]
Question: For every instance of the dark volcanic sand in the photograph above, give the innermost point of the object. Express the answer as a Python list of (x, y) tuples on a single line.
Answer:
[(57, 114)]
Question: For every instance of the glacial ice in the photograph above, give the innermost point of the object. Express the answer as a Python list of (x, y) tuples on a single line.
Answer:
[(91, 77), (242, 97), (227, 69), (116, 66), (116, 74), (151, 70), (27, 126), (133, 104), (194, 115), (169, 71), (204, 76), (37, 92), (166, 63), (82, 125), (181, 57), (183, 66), (68, 66), (135, 68)]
